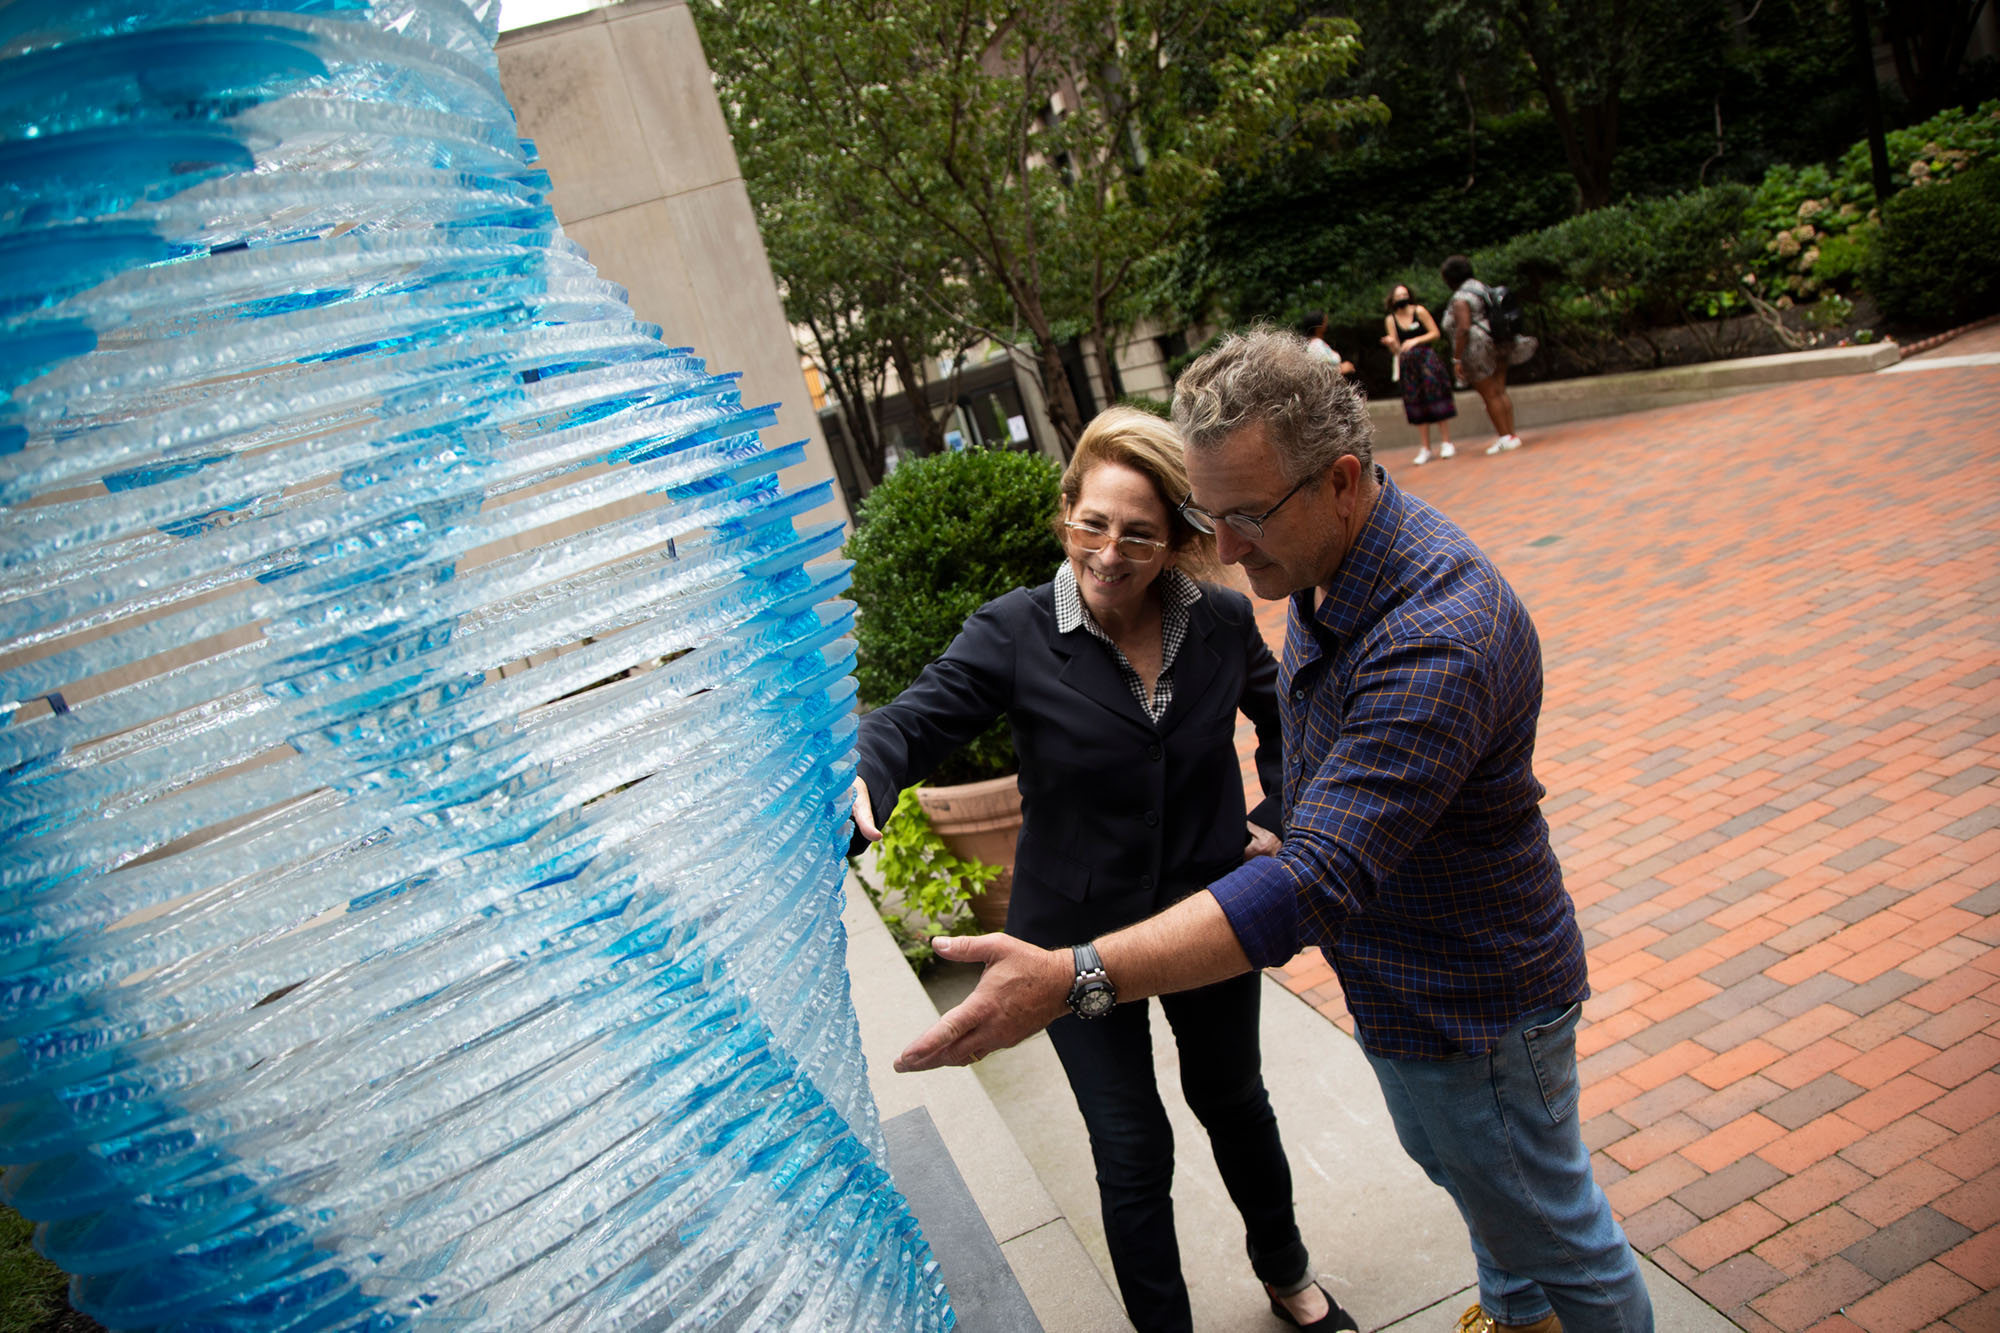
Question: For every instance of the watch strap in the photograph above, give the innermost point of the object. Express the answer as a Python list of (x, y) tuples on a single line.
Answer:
[(1091, 981)]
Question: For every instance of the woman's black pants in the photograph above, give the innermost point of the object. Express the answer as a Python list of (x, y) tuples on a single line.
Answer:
[(1110, 1066)]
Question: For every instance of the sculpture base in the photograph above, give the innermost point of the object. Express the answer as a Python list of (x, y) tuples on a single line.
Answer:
[(984, 1292)]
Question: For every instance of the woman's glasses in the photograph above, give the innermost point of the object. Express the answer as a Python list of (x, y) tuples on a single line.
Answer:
[(1090, 537)]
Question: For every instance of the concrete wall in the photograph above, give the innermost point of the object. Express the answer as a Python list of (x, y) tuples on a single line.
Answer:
[(1550, 404), (621, 105)]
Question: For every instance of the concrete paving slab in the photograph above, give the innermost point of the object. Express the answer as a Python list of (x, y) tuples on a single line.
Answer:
[(1675, 1308), (1385, 1241), (1062, 1283), (892, 1009), (1932, 361)]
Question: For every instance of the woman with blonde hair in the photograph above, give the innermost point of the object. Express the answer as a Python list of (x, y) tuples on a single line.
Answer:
[(1122, 677)]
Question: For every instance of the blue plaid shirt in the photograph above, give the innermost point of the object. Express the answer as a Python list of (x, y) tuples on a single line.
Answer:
[(1415, 853)]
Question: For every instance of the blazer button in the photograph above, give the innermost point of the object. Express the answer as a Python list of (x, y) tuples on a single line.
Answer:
[(1152, 819), (1145, 881), (1153, 753)]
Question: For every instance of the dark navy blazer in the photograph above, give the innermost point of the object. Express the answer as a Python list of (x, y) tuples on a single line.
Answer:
[(1120, 817)]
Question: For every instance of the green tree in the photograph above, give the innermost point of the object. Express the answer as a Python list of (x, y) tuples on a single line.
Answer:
[(865, 315), (1589, 56), (1928, 40), (1021, 167)]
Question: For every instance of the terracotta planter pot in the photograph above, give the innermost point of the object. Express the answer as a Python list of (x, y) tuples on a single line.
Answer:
[(980, 821)]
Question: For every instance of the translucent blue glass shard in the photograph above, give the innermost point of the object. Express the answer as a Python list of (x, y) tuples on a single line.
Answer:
[(425, 723)]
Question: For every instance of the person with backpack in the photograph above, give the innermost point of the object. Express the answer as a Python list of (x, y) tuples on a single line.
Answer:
[(1486, 338)]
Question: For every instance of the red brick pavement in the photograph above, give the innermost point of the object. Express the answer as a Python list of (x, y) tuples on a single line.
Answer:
[(1771, 627)]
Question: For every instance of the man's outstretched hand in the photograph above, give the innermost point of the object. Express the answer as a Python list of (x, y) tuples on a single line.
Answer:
[(1022, 991)]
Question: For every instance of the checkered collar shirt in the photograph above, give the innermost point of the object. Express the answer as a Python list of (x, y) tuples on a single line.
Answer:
[(1178, 592), (1415, 854)]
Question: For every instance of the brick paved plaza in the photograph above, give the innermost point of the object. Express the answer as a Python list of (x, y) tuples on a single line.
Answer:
[(1771, 742)]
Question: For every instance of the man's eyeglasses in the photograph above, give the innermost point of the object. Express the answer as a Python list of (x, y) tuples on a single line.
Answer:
[(1090, 537), (1243, 525)]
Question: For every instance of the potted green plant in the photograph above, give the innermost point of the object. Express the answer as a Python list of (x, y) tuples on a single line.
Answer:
[(927, 889), (938, 539)]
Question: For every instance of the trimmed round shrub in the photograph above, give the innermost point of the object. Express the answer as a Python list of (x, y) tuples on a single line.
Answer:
[(1938, 254), (1627, 267), (938, 539)]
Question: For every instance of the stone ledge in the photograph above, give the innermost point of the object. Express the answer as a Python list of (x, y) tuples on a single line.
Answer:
[(1063, 1287), (985, 1294), (1637, 390)]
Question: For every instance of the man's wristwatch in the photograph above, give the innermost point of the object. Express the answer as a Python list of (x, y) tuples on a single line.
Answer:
[(1091, 995)]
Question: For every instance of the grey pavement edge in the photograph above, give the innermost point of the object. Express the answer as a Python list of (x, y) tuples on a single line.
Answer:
[(984, 1293), (1557, 401), (1062, 1285)]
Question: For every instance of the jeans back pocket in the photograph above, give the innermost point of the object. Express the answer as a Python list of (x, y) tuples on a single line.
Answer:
[(1552, 1054)]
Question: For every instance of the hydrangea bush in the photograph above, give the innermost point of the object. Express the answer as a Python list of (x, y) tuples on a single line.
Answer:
[(1812, 229)]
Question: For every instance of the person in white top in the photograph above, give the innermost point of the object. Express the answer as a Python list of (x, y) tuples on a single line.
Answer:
[(1313, 329)]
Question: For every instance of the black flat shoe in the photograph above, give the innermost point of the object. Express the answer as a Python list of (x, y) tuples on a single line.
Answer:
[(1335, 1320)]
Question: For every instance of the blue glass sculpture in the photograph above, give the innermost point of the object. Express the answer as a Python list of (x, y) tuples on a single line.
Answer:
[(424, 741)]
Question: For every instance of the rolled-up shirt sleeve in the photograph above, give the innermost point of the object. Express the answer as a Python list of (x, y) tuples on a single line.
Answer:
[(1379, 765), (1261, 900)]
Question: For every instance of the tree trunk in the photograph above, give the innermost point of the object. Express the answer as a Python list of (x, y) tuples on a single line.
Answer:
[(1471, 133), (1589, 140), (1589, 132), (1107, 363), (1064, 414), (1599, 136), (858, 420), (929, 428), (1871, 102)]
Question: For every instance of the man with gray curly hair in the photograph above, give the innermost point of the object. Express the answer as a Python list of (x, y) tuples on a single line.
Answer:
[(1265, 384), (1314, 414), (1415, 855)]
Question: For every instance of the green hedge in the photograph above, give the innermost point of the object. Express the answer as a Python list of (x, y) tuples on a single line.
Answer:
[(938, 539), (1603, 278), (1599, 285), (1938, 255), (1815, 227)]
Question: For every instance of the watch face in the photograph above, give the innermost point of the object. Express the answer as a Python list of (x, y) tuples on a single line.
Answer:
[(1096, 1002)]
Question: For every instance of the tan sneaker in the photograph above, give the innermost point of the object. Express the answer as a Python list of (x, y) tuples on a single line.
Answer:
[(1476, 1320)]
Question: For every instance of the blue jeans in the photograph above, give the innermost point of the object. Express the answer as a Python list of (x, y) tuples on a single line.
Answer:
[(1499, 1133)]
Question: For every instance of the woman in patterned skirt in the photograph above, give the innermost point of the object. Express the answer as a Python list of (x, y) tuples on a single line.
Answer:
[(1411, 338)]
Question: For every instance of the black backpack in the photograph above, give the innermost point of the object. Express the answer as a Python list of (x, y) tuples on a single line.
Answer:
[(1506, 317)]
